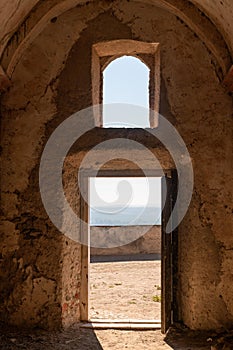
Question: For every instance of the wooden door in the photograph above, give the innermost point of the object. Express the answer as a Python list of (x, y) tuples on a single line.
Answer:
[(85, 252), (169, 253)]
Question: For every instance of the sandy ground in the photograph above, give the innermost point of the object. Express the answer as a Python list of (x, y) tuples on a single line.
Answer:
[(125, 290)]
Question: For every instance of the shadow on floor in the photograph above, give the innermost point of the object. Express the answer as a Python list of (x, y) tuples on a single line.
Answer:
[(118, 258), (77, 338), (185, 339), (72, 339)]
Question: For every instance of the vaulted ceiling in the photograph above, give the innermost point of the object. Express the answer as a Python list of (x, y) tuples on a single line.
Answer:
[(14, 12)]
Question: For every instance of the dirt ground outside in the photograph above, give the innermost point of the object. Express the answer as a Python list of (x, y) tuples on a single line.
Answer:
[(122, 290)]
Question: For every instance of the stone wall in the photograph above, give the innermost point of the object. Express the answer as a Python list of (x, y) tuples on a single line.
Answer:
[(148, 243), (40, 268)]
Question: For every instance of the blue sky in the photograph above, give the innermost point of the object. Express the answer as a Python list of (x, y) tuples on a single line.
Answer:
[(126, 80)]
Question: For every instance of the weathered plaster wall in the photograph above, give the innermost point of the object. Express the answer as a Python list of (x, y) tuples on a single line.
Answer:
[(220, 12), (40, 267), (12, 14)]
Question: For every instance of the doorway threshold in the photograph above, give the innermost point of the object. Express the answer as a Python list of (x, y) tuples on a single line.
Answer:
[(122, 324)]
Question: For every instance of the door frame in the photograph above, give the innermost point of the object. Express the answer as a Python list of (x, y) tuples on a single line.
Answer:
[(169, 254), (84, 175)]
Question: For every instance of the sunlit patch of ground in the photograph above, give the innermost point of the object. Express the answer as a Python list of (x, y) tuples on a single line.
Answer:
[(125, 290)]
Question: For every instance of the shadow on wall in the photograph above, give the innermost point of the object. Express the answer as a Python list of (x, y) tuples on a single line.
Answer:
[(117, 258)]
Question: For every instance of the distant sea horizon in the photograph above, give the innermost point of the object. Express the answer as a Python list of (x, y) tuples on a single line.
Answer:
[(129, 216)]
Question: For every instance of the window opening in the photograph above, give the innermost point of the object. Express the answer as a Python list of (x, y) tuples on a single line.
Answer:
[(126, 81)]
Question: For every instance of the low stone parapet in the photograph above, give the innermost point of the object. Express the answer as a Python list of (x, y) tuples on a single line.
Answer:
[(105, 236)]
